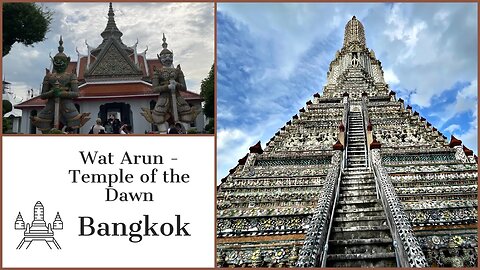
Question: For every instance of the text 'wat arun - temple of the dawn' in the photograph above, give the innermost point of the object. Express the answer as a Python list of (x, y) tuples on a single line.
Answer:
[(355, 179)]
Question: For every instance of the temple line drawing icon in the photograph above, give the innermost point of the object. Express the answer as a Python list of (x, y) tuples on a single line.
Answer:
[(39, 231)]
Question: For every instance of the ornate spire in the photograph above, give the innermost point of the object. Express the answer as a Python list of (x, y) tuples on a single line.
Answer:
[(164, 39), (60, 50), (354, 33), (165, 45), (111, 30), (60, 47)]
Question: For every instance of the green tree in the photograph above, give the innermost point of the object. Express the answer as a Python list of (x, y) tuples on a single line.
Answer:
[(208, 94), (26, 23)]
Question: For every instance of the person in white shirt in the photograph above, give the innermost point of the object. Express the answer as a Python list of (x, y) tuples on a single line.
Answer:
[(98, 128)]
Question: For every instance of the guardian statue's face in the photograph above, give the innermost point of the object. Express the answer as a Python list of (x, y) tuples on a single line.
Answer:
[(166, 59), (60, 63)]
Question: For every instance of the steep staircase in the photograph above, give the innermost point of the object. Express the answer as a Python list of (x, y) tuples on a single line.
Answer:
[(360, 235)]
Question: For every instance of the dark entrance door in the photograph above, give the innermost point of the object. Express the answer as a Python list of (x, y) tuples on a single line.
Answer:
[(120, 110)]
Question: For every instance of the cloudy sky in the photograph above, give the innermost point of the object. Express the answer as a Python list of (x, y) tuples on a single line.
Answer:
[(189, 29), (273, 57)]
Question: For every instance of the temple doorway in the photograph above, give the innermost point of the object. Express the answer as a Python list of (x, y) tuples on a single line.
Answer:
[(119, 110)]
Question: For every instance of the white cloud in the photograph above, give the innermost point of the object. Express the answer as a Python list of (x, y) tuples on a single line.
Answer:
[(452, 128), (227, 137), (390, 77), (470, 137), (465, 101), (232, 144)]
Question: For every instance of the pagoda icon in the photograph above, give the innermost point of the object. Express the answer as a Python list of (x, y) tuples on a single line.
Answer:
[(39, 231)]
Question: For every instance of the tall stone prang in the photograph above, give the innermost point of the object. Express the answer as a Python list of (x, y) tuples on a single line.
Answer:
[(355, 179)]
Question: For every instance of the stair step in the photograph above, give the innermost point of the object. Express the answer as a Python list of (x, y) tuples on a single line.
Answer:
[(359, 212), (361, 256), (363, 223), (358, 183), (356, 143), (355, 151), (355, 197), (357, 180), (361, 241), (356, 163), (356, 171), (359, 165), (364, 186), (364, 246), (359, 218), (361, 192), (357, 157), (358, 148), (366, 201), (361, 228), (362, 260), (347, 176)]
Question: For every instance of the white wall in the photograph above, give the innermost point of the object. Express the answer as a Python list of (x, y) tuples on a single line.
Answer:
[(140, 125)]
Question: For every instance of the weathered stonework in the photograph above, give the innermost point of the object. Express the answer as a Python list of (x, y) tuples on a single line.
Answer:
[(356, 178)]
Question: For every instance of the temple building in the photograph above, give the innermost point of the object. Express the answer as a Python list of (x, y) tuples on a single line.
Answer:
[(116, 80), (355, 179), (15, 115)]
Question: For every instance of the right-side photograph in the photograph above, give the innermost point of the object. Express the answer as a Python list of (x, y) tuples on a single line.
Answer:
[(347, 135)]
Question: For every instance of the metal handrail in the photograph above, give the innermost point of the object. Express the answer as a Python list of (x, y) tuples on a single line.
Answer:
[(407, 249), (312, 253), (323, 255), (346, 111), (337, 195), (366, 119), (388, 214)]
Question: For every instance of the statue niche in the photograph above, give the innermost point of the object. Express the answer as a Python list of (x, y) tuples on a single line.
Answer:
[(171, 107), (59, 88)]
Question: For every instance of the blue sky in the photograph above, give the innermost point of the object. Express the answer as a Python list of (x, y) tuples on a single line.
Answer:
[(189, 29), (272, 58)]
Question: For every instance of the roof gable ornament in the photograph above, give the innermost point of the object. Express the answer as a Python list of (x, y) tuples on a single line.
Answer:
[(113, 62)]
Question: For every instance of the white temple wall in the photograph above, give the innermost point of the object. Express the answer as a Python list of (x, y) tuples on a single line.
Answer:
[(138, 121)]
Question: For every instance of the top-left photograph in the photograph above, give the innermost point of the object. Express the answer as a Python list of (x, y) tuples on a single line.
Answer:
[(108, 68)]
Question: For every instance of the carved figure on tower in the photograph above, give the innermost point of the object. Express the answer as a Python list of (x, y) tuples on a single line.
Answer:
[(59, 88), (171, 107)]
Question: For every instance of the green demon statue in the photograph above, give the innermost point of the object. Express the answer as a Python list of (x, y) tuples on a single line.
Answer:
[(59, 88), (171, 107)]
